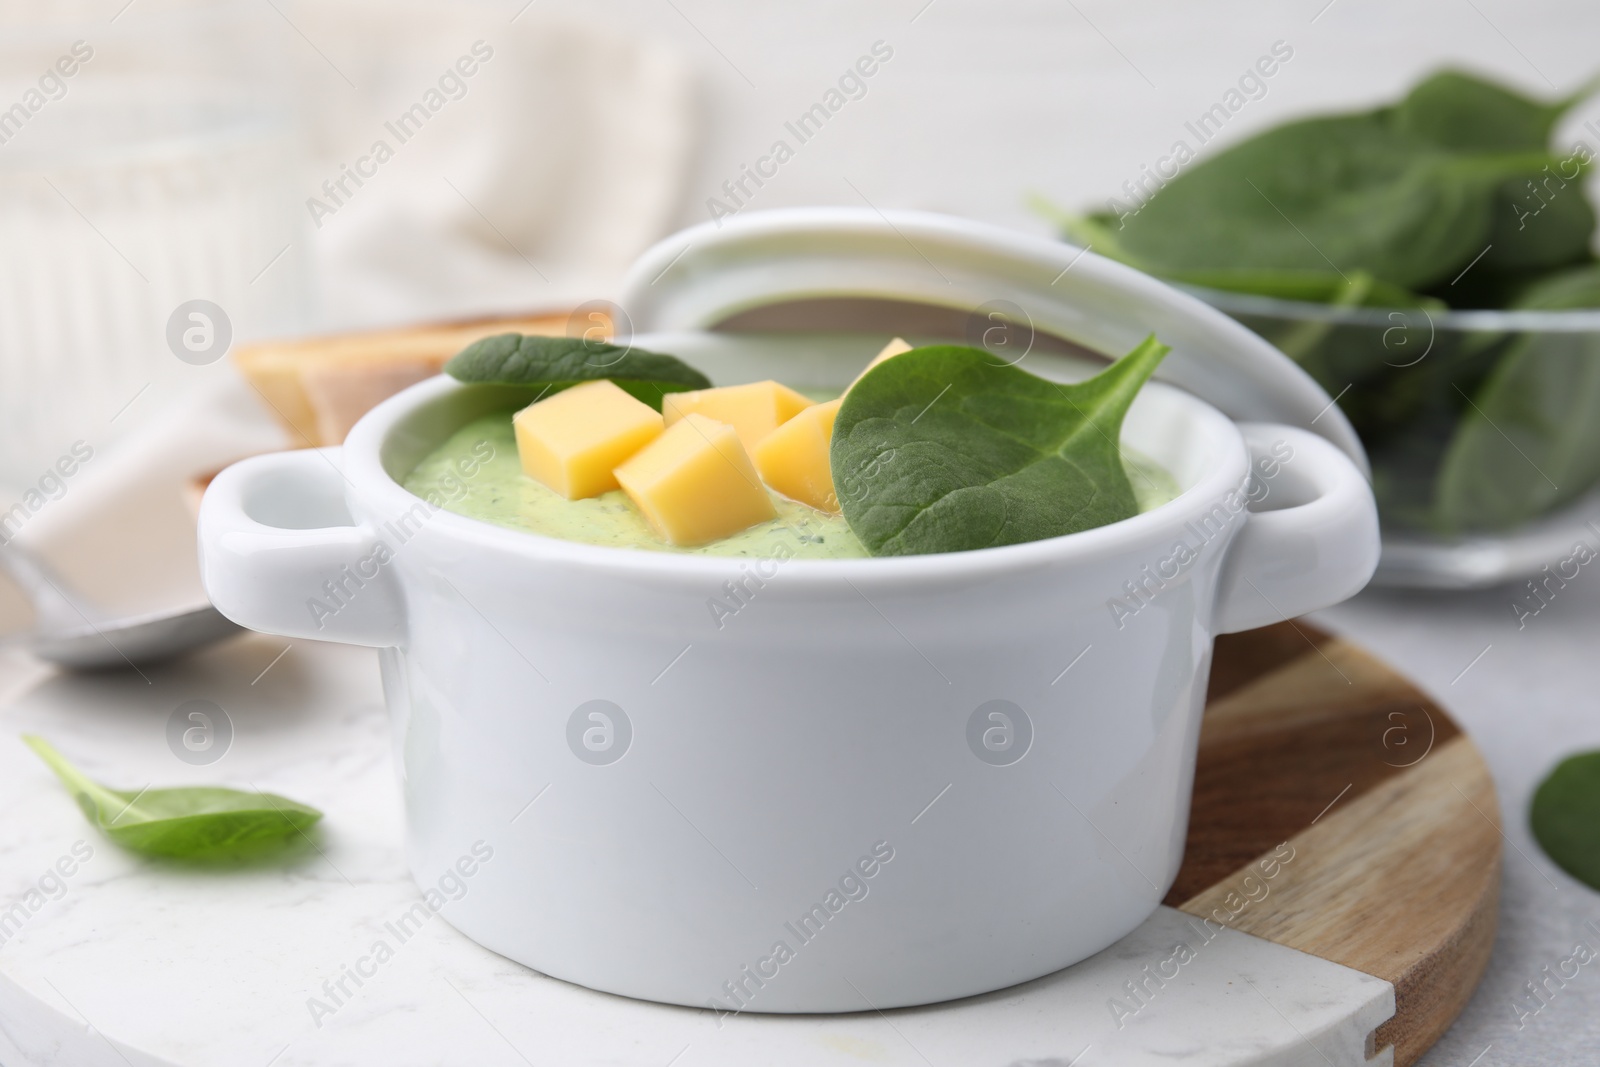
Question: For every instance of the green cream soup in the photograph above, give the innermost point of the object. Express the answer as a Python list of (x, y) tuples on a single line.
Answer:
[(476, 473)]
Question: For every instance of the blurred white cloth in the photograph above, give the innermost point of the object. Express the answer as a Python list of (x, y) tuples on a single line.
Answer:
[(534, 181), (505, 160), (540, 157)]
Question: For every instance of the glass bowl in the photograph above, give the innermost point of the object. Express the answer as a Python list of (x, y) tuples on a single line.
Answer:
[(1483, 429)]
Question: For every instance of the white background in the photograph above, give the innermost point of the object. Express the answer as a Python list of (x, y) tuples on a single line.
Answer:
[(986, 101)]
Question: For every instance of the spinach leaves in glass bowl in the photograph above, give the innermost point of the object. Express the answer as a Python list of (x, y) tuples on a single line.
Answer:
[(1475, 421), (1375, 249)]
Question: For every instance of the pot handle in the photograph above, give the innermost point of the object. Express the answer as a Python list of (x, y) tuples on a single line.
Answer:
[(1313, 546), (279, 553)]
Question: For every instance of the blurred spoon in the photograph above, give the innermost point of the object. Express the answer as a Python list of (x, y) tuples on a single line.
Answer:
[(73, 634)]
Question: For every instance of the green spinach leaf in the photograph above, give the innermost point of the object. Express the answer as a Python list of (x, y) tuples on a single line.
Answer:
[(942, 449), (1539, 221), (1328, 348), (1540, 218), (1577, 287), (1462, 112), (556, 363), (1408, 194), (1450, 197), (1529, 439), (1565, 817), (187, 822), (1340, 194), (1355, 289)]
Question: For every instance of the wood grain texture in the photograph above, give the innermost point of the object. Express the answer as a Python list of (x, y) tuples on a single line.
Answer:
[(1385, 810), (1255, 784)]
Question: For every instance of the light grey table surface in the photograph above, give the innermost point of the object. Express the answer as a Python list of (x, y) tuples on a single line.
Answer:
[(1532, 698)]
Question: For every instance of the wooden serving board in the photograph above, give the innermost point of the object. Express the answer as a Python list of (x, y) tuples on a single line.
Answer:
[(1386, 803)]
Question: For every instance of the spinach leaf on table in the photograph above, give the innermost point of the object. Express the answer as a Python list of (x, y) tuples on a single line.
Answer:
[(557, 363), (942, 449), (1565, 817), (187, 822)]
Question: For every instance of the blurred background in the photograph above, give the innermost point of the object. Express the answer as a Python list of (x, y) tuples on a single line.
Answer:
[(230, 152)]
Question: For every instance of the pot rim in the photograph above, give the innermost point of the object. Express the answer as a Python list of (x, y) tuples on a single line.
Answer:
[(368, 480)]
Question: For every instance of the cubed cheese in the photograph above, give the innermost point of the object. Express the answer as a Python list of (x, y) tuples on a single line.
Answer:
[(793, 459), (893, 348), (695, 483), (753, 410), (572, 441)]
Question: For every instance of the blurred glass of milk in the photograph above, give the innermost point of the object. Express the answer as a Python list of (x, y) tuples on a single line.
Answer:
[(148, 155)]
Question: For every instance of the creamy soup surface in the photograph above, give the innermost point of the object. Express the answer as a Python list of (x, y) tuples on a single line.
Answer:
[(476, 473)]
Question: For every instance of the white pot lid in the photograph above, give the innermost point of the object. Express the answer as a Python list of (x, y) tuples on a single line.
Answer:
[(704, 275)]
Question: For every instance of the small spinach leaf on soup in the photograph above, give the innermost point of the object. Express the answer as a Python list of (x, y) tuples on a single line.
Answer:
[(943, 449), (555, 363)]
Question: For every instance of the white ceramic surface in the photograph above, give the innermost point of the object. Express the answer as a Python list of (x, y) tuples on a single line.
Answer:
[(141, 963), (735, 779)]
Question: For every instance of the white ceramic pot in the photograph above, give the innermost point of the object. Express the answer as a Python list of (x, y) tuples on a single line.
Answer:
[(878, 782)]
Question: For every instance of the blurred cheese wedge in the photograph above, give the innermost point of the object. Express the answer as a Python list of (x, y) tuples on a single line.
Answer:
[(194, 489), (318, 387), (893, 348), (572, 441), (339, 395), (753, 410), (793, 459), (695, 483)]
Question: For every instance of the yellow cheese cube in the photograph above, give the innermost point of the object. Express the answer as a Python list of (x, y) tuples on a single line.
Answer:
[(793, 459), (753, 410), (695, 483), (893, 348), (572, 441)]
